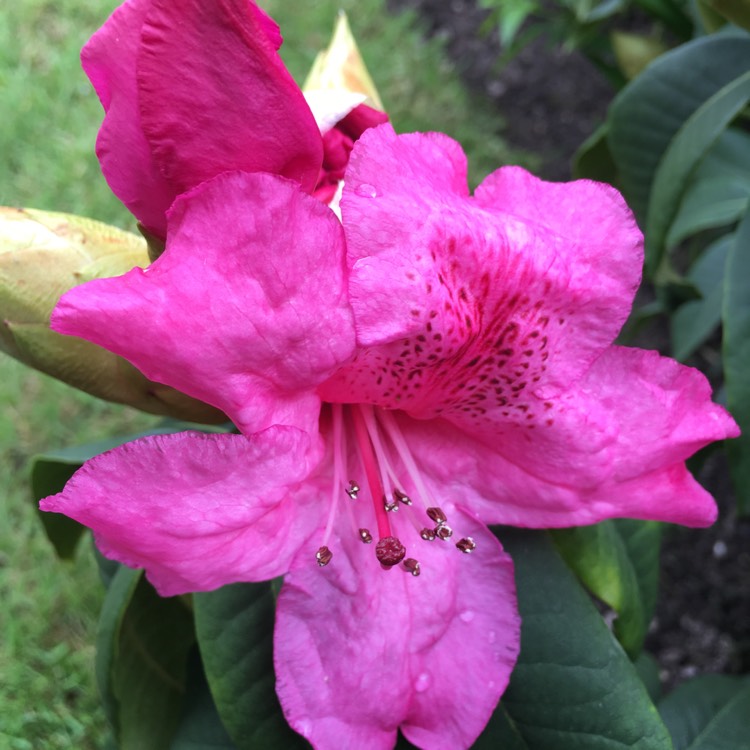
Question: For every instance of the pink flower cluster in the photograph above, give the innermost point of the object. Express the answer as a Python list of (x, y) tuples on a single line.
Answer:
[(432, 363)]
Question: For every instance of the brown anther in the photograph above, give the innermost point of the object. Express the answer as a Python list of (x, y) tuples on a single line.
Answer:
[(323, 556), (352, 489), (401, 497), (413, 566), (427, 534), (467, 545), (443, 532), (365, 536), (437, 515), (390, 507), (389, 551)]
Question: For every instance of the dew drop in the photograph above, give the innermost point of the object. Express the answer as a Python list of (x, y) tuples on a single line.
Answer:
[(366, 190), (491, 684), (492, 636), (422, 682), (466, 616)]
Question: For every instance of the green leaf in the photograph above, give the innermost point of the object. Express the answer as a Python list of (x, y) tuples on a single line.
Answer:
[(234, 626), (709, 203), (593, 159), (648, 670), (200, 727), (573, 687), (709, 713), (693, 323), (646, 115), (737, 11), (736, 356), (691, 143), (618, 562), (671, 14), (142, 646)]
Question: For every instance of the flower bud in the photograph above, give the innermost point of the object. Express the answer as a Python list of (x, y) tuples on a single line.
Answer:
[(340, 68), (42, 255)]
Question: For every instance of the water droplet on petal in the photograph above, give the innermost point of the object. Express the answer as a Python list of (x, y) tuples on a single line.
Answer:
[(466, 616), (366, 190), (492, 636), (491, 684), (422, 682)]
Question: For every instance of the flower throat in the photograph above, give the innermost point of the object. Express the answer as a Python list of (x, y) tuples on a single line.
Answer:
[(379, 441)]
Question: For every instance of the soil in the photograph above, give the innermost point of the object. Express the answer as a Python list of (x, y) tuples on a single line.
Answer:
[(552, 101)]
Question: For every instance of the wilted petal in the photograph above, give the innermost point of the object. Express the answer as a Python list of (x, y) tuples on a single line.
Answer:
[(361, 651), (109, 60), (215, 95), (245, 310), (656, 412), (198, 511)]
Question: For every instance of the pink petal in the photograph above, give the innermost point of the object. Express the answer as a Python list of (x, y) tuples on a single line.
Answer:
[(245, 310), (467, 308), (360, 651), (647, 414), (109, 60), (198, 511), (215, 96)]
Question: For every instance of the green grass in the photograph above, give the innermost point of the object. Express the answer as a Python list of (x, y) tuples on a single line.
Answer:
[(47, 130)]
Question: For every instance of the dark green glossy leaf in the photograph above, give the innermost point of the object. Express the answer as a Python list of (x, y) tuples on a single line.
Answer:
[(736, 354), (709, 203), (648, 670), (646, 115), (684, 152), (142, 647), (200, 727), (573, 687), (593, 160), (618, 562), (709, 713), (234, 626), (694, 322)]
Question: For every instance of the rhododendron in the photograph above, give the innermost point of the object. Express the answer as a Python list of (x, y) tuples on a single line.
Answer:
[(193, 89), (438, 362)]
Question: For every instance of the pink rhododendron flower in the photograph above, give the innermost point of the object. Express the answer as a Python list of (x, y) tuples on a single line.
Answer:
[(439, 362), (193, 89)]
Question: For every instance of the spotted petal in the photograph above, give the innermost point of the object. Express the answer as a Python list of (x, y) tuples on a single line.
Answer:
[(198, 511), (464, 306), (245, 310), (657, 413), (361, 652)]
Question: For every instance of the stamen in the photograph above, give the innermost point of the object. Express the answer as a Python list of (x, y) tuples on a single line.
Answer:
[(427, 534), (390, 551), (437, 515), (402, 448), (467, 545), (401, 497), (371, 471), (323, 556), (412, 566), (443, 532), (353, 489), (365, 536), (390, 507)]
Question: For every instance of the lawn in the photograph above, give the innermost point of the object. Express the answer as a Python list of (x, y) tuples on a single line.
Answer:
[(48, 123)]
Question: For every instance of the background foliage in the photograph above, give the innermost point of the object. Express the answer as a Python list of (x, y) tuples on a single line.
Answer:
[(50, 116)]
